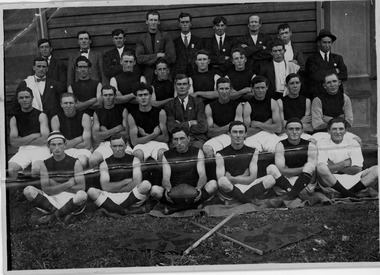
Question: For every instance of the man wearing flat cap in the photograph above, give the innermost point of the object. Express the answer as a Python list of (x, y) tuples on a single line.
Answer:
[(322, 62)]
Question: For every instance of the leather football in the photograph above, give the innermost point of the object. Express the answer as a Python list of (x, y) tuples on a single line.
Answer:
[(183, 193)]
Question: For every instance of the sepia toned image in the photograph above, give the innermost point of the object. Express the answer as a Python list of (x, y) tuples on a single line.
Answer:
[(182, 137)]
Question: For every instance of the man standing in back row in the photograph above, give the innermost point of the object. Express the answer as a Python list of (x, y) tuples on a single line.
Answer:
[(95, 57), (322, 62), (256, 44), (152, 45), (186, 45)]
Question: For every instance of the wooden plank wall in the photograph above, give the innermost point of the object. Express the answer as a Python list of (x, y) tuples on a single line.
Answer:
[(63, 24)]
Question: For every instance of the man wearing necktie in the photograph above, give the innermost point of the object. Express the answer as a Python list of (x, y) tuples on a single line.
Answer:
[(187, 111), (95, 57), (186, 45), (220, 46), (46, 91), (318, 64)]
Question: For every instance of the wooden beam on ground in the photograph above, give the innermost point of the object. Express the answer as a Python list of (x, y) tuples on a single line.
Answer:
[(258, 251), (208, 234)]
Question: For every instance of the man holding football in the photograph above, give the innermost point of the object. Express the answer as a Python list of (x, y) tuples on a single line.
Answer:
[(184, 181)]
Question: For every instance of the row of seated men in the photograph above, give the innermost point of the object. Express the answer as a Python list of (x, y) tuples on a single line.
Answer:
[(335, 162), (147, 128), (261, 55), (88, 127)]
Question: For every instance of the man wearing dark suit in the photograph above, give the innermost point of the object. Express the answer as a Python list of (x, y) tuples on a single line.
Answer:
[(293, 53), (256, 44), (277, 70), (322, 62), (187, 111), (220, 46), (111, 59), (96, 59), (186, 45), (56, 68), (152, 45), (46, 92)]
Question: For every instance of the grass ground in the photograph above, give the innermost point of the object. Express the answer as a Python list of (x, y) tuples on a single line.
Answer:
[(351, 234)]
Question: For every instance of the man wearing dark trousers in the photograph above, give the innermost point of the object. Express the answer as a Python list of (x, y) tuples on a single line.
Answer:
[(186, 45)]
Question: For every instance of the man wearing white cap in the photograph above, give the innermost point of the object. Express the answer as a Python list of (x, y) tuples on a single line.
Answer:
[(62, 184)]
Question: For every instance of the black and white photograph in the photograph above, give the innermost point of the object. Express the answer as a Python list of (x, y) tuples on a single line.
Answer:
[(189, 136)]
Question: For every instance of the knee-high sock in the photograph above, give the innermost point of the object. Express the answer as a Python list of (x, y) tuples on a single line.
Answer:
[(359, 186), (283, 183), (205, 195), (343, 191), (68, 208), (42, 202), (256, 190), (302, 181), (130, 200), (237, 194), (110, 206)]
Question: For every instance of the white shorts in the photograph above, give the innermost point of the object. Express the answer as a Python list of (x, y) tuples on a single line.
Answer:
[(309, 188), (75, 153), (151, 148), (348, 181), (218, 143), (119, 198), (105, 149), (263, 141), (242, 187), (30, 153)]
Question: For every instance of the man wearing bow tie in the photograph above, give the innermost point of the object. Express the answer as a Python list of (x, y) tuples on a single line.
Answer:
[(96, 59), (46, 91), (322, 62), (152, 45), (186, 45)]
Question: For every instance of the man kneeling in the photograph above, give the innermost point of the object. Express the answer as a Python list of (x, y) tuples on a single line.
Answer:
[(120, 180), (62, 184), (183, 164)]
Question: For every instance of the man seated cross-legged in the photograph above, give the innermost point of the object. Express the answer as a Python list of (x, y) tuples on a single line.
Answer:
[(62, 184), (296, 160), (236, 169), (183, 164), (120, 180), (340, 162)]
